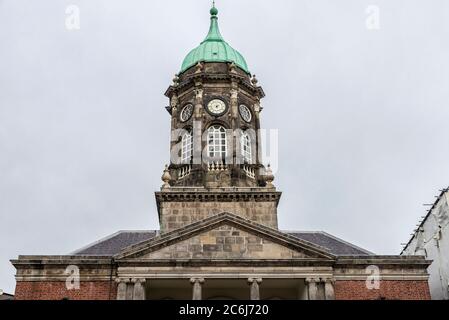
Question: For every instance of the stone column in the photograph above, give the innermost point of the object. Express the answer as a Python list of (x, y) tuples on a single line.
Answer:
[(129, 289), (254, 288), (329, 291), (197, 288), (312, 288), (139, 289), (121, 289)]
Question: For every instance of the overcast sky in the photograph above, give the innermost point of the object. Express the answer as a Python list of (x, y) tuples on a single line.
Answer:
[(362, 114)]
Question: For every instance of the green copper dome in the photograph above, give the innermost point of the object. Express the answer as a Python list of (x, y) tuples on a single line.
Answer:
[(214, 48)]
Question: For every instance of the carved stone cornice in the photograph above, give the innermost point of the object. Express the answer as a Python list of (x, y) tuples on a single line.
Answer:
[(179, 194), (189, 81), (241, 263)]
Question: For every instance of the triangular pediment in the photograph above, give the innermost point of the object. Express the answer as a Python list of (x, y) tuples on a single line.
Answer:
[(225, 236)]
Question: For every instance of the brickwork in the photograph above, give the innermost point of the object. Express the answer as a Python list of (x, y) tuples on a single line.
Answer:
[(389, 290), (56, 290)]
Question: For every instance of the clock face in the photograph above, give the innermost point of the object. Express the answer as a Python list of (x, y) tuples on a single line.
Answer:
[(186, 112), (216, 107), (245, 113)]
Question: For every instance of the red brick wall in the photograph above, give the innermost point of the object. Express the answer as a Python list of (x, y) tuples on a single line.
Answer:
[(389, 289), (56, 290), (104, 290)]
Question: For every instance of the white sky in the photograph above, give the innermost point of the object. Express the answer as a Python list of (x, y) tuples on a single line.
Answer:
[(362, 115)]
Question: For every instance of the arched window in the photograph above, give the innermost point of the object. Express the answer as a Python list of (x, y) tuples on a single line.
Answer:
[(245, 145), (216, 142), (187, 147)]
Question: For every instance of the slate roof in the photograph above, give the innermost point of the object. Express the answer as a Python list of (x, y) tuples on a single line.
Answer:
[(116, 242), (335, 245)]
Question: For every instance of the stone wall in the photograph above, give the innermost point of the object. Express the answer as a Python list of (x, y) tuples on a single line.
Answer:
[(225, 242), (56, 290), (176, 214), (388, 290)]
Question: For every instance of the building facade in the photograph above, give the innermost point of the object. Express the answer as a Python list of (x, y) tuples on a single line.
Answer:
[(431, 240), (217, 207)]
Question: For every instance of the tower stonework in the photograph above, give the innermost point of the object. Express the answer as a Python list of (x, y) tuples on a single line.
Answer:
[(226, 178), (219, 236)]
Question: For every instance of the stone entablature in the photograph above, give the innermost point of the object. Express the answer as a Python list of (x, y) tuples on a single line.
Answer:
[(218, 194), (212, 72), (387, 267), (399, 278), (54, 268)]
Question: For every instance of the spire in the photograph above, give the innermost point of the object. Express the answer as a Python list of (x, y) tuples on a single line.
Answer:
[(214, 32)]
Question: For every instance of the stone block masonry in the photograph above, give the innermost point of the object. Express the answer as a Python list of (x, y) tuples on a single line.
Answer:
[(178, 209), (225, 242)]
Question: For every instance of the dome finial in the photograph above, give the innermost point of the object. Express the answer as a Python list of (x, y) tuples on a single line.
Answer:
[(213, 10)]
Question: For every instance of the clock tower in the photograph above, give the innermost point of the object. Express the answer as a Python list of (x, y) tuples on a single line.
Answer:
[(217, 207), (215, 164)]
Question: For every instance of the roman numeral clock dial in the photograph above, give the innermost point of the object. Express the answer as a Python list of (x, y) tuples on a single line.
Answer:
[(216, 107)]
